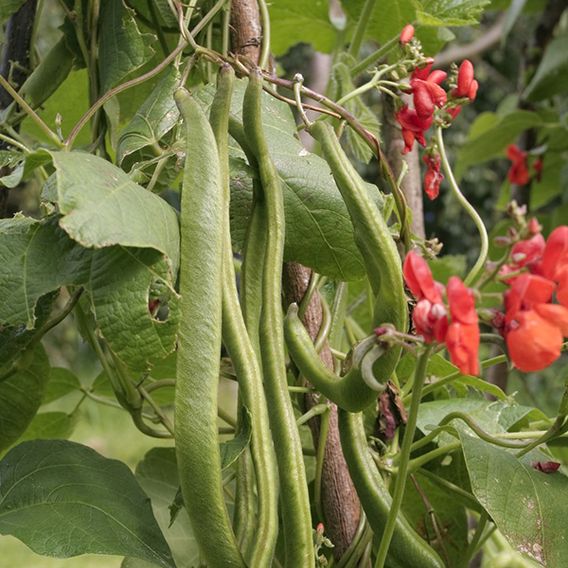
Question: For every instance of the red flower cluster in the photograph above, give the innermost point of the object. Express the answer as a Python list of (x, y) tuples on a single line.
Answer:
[(460, 332), (519, 173), (534, 326), (427, 94)]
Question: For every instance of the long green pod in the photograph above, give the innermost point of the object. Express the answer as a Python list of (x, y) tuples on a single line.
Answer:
[(294, 490), (372, 235), (349, 391), (239, 345), (407, 549), (199, 343)]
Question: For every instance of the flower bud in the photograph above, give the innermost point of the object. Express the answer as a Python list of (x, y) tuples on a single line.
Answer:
[(406, 34)]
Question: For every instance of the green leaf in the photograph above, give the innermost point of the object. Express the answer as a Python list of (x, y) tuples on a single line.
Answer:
[(120, 283), (61, 382), (69, 102), (9, 7), (293, 22), (319, 233), (493, 417), (24, 168), (450, 12), (20, 398), (122, 48), (155, 118), (102, 206), (527, 506), (550, 186), (448, 265), (493, 139), (232, 449), (39, 257), (450, 516), (550, 77), (158, 475), (63, 499), (50, 426)]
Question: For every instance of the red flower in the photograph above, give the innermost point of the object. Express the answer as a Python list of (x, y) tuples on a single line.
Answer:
[(528, 252), (519, 171), (555, 257), (419, 279), (533, 342), (426, 90), (467, 85), (413, 127), (546, 466), (462, 341), (406, 34), (526, 291), (433, 176), (558, 315), (562, 290), (430, 320)]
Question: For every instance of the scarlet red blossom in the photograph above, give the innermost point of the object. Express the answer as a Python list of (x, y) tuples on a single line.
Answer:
[(406, 34), (528, 252), (467, 85), (433, 176), (533, 342), (413, 127), (427, 92), (519, 171), (537, 166), (430, 318), (555, 256)]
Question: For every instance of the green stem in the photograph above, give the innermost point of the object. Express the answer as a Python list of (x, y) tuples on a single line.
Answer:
[(470, 210), (375, 56), (400, 483), (418, 462), (30, 112), (467, 498), (473, 546), (362, 23), (320, 458)]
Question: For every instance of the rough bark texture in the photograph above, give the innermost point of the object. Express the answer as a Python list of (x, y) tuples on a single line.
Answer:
[(412, 182), (340, 503), (246, 29), (15, 67)]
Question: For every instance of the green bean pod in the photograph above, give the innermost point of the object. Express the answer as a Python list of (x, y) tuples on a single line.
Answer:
[(294, 490), (373, 238), (407, 549), (350, 391), (239, 345), (199, 342)]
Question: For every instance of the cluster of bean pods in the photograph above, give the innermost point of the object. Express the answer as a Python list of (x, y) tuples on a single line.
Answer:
[(257, 336)]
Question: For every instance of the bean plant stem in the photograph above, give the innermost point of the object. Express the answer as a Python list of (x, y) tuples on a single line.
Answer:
[(400, 483), (362, 23), (470, 210), (374, 57)]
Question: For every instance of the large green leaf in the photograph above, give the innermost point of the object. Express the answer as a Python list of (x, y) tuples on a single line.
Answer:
[(39, 257), (293, 22), (50, 426), (450, 516), (61, 382), (450, 12), (155, 118), (20, 397), (490, 140), (102, 206), (528, 506), (63, 499), (319, 233), (550, 77), (158, 475), (122, 48)]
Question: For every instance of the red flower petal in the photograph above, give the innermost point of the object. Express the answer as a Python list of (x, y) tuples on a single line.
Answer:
[(462, 302), (406, 34), (419, 279), (555, 314), (462, 342), (535, 343)]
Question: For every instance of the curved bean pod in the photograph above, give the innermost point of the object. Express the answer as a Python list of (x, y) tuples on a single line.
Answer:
[(407, 548), (372, 235), (199, 344), (242, 352), (294, 490)]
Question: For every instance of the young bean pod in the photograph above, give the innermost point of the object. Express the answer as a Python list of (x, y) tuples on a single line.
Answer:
[(407, 548), (350, 391), (199, 344), (265, 525), (372, 235), (294, 490)]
